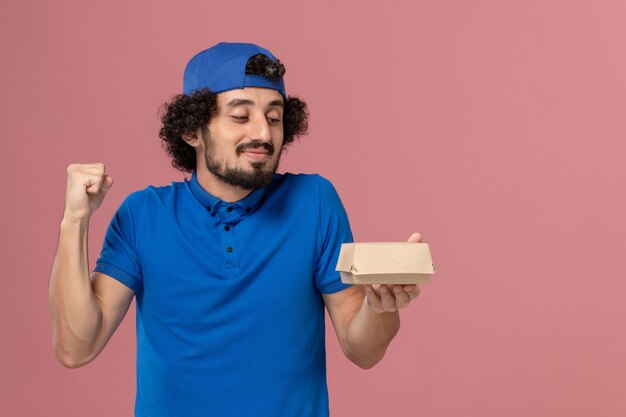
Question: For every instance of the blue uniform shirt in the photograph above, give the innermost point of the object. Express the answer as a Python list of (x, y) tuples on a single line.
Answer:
[(230, 317)]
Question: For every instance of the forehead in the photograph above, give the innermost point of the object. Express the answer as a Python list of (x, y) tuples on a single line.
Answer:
[(250, 97)]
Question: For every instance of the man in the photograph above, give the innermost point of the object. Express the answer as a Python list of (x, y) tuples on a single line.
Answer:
[(231, 269)]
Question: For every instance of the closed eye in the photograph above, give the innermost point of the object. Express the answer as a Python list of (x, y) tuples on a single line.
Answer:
[(240, 119)]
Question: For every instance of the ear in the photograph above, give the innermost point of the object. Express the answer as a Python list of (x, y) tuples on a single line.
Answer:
[(193, 139)]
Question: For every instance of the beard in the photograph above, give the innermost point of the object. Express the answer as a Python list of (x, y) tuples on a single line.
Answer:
[(261, 174)]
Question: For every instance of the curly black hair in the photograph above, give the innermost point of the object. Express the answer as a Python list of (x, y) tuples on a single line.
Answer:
[(185, 114)]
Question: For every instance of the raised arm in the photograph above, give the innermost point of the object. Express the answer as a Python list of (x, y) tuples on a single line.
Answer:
[(84, 311)]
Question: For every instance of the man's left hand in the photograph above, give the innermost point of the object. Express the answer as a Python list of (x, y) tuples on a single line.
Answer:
[(389, 298)]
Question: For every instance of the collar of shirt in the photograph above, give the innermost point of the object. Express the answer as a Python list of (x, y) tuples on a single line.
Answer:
[(228, 212)]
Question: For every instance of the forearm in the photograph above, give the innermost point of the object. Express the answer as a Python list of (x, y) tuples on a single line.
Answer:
[(74, 310), (369, 334)]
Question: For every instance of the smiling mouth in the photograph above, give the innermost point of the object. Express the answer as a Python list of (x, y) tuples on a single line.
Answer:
[(256, 154), (260, 151)]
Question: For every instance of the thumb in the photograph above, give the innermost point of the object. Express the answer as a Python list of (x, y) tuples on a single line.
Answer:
[(415, 238), (108, 183)]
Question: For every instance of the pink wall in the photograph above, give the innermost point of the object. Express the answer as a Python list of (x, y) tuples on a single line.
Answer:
[(496, 129)]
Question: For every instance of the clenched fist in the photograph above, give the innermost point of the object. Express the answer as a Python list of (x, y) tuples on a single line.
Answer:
[(87, 184)]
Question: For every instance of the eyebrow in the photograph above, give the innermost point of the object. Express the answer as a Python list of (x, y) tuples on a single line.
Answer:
[(242, 102)]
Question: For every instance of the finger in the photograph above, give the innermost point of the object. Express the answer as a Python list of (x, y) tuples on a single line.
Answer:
[(409, 287), (412, 289), (94, 183), (402, 297), (94, 169), (108, 183), (415, 238), (372, 298), (387, 299)]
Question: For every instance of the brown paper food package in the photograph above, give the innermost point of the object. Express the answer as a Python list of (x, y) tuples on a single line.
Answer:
[(385, 263)]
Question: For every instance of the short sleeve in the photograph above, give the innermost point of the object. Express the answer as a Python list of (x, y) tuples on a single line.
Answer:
[(118, 257), (334, 230)]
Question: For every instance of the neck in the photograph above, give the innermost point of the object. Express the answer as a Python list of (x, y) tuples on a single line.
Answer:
[(218, 188)]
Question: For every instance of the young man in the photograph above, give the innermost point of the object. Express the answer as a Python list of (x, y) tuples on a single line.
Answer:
[(231, 269)]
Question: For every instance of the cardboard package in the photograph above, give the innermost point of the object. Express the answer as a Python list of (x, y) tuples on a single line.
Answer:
[(385, 263)]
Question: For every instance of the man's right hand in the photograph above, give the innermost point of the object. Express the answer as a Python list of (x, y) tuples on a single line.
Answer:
[(87, 184)]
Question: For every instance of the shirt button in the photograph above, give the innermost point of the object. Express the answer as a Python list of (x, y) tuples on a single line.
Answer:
[(229, 249), (229, 209), (247, 209), (227, 228)]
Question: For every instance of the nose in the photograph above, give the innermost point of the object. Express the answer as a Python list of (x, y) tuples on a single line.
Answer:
[(260, 130)]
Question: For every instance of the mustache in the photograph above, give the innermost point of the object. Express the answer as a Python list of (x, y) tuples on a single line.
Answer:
[(255, 144)]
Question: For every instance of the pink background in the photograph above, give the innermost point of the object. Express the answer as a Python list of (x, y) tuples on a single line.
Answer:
[(494, 128)]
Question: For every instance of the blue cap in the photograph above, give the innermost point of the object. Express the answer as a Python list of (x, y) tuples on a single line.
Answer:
[(223, 67)]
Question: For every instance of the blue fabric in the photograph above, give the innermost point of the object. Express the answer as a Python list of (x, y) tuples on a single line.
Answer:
[(222, 67), (229, 333)]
